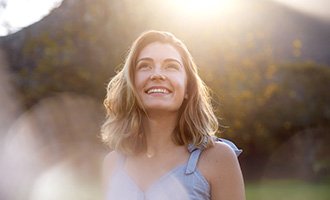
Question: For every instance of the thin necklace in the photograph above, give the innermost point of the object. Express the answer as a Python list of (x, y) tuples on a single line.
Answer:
[(150, 154)]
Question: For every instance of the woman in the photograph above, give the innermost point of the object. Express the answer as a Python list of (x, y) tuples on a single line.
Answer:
[(160, 126)]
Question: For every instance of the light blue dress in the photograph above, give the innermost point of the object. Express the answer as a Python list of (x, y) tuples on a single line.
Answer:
[(184, 182)]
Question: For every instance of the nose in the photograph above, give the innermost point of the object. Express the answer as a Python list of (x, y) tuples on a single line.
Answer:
[(157, 73), (157, 76)]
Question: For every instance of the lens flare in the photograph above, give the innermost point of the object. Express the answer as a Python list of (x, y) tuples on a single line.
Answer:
[(204, 8)]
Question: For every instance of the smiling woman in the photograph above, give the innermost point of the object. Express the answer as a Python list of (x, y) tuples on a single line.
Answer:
[(159, 121), (17, 14)]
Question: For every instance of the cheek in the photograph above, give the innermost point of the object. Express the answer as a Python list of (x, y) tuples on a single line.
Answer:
[(139, 80), (182, 84)]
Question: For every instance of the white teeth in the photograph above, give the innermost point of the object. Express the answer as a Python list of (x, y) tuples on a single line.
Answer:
[(158, 90)]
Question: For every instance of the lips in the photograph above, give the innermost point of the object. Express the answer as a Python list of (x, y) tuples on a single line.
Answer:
[(157, 90)]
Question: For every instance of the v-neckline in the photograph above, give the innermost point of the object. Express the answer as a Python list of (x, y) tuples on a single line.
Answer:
[(155, 182)]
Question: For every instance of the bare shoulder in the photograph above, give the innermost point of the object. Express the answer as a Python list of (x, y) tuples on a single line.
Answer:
[(220, 166), (109, 164), (220, 154)]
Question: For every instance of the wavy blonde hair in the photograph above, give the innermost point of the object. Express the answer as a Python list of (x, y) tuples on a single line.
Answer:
[(122, 129)]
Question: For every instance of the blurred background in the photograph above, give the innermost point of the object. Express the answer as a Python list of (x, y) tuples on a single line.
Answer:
[(267, 62)]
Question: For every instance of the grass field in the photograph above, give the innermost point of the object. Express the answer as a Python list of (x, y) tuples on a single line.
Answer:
[(287, 190)]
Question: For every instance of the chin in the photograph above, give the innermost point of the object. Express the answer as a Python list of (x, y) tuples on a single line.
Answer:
[(161, 108)]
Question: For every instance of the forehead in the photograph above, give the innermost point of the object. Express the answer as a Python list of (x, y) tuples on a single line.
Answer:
[(160, 51)]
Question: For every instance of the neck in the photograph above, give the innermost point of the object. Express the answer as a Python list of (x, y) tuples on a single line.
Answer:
[(158, 130)]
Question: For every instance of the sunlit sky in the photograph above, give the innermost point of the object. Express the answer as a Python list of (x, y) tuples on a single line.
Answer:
[(21, 13)]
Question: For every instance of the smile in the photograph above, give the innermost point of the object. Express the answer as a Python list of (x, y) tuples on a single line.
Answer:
[(158, 90)]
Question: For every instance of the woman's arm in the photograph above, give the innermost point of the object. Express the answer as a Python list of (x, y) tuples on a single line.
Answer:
[(223, 172), (108, 166)]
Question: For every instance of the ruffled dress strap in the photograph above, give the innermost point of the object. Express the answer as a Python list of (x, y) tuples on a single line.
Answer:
[(230, 144), (193, 159), (195, 153)]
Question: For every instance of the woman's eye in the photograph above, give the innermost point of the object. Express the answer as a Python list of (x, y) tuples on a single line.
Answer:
[(144, 66), (172, 66)]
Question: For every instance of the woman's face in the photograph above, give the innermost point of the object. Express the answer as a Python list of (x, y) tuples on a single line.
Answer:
[(160, 77)]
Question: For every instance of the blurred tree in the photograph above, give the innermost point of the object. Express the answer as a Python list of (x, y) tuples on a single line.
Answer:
[(264, 106)]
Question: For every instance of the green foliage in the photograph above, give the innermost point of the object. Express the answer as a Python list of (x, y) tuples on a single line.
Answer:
[(74, 59), (268, 104), (287, 190), (264, 106)]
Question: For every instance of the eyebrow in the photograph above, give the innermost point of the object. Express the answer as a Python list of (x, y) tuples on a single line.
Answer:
[(142, 59), (166, 60)]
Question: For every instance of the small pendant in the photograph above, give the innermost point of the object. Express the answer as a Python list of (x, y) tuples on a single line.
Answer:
[(149, 155)]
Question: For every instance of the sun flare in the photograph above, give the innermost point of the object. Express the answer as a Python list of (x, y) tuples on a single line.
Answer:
[(204, 8)]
